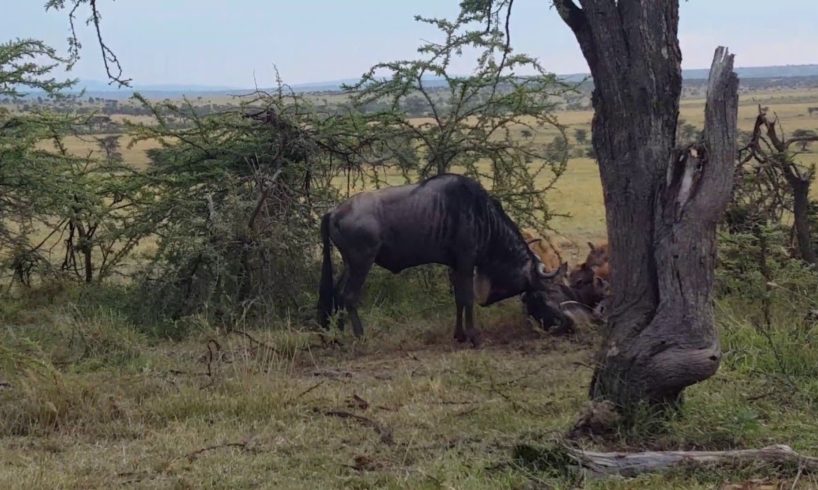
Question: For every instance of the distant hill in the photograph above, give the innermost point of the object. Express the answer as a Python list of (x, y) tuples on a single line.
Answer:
[(95, 88), (100, 86), (784, 71)]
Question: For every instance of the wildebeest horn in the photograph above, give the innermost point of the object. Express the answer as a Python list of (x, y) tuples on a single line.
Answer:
[(544, 273), (580, 313), (591, 246), (550, 275)]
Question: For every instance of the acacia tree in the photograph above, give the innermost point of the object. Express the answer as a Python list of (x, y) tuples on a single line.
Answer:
[(660, 336), (50, 198), (474, 124), (27, 179), (113, 68)]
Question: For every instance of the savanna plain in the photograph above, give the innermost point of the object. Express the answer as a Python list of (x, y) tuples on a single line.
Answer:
[(102, 403)]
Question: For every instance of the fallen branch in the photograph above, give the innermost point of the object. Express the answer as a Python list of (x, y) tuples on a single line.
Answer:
[(192, 456), (253, 340), (245, 445), (384, 432), (212, 355), (356, 401), (304, 393), (632, 464)]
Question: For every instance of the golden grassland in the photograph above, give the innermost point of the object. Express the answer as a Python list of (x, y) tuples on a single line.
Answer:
[(578, 193)]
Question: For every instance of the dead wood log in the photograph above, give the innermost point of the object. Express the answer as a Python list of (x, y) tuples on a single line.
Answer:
[(633, 464)]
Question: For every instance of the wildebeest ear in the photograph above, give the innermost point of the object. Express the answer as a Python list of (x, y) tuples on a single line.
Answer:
[(591, 246)]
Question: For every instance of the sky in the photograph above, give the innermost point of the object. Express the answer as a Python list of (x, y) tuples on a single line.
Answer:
[(237, 43)]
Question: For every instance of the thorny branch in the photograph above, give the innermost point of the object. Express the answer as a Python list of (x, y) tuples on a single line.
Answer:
[(113, 68)]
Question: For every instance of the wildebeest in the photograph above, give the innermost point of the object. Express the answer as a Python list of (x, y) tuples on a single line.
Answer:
[(448, 219), (585, 290), (539, 305)]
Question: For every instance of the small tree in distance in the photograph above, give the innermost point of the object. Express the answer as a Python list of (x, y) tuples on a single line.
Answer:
[(805, 137), (581, 135)]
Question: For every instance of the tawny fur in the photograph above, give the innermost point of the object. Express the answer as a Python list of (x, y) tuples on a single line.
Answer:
[(548, 252)]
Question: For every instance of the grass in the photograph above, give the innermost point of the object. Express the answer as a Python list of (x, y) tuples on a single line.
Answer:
[(92, 402), (91, 399)]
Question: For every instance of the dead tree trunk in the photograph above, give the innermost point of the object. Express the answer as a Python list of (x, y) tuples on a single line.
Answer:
[(662, 206), (800, 213), (633, 464), (769, 148)]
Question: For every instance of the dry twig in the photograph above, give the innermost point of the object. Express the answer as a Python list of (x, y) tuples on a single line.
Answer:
[(384, 432)]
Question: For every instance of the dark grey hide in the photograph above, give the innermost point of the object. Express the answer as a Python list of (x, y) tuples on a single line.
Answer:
[(449, 220), (539, 305)]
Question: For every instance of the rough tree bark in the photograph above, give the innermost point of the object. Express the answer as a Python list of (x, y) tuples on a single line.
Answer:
[(633, 464), (800, 212), (662, 205)]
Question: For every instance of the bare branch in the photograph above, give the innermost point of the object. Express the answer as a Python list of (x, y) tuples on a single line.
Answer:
[(632, 464)]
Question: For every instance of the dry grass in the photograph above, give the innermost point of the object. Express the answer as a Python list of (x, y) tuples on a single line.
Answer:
[(88, 146), (579, 192), (403, 408), (89, 401)]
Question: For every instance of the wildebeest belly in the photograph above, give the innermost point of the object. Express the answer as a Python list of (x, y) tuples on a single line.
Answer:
[(398, 256)]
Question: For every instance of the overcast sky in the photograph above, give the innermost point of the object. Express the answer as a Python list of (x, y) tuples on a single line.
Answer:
[(228, 43)]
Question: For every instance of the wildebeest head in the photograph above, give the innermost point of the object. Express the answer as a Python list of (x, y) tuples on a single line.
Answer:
[(512, 266), (493, 284), (543, 303)]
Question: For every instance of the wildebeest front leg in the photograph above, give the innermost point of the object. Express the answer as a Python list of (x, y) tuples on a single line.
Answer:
[(464, 299), (459, 334)]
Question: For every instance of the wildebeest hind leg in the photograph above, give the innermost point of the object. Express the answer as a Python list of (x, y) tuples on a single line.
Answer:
[(339, 300), (464, 298), (471, 331), (351, 296)]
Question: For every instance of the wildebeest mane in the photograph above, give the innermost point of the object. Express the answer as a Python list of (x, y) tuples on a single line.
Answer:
[(505, 242)]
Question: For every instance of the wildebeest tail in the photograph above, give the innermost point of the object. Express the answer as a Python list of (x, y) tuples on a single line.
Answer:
[(326, 291)]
